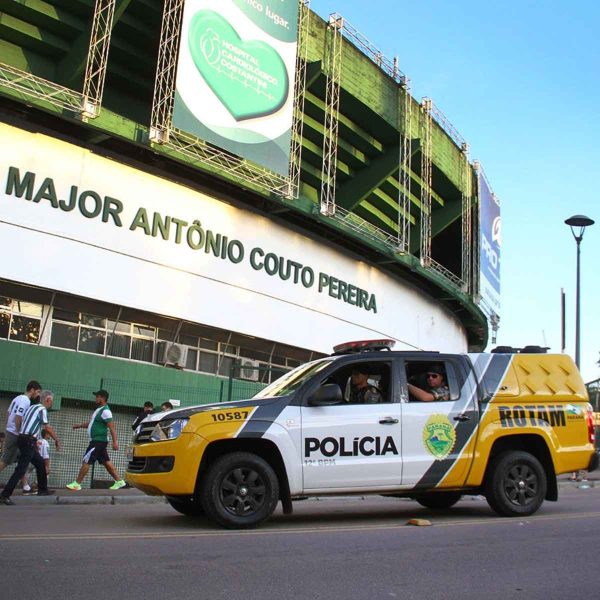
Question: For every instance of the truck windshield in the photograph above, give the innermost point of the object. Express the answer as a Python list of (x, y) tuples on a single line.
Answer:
[(291, 381)]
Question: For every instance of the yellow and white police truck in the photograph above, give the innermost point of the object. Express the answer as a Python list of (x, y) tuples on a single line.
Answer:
[(501, 424)]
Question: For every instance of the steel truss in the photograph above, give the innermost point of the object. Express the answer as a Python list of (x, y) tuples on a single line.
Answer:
[(86, 103), (426, 181), (300, 94), (364, 228), (166, 69), (466, 183), (203, 153), (95, 71), (332, 112), (475, 289), (404, 179)]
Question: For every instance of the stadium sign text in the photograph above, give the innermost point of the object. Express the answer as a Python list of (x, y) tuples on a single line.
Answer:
[(93, 205)]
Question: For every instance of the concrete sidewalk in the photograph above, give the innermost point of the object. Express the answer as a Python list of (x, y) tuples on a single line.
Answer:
[(134, 496), (88, 496)]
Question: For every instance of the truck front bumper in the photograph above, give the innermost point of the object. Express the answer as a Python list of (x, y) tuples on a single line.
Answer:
[(177, 463)]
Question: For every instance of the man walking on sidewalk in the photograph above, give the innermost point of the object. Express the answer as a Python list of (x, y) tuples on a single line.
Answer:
[(34, 419), (16, 410), (98, 427)]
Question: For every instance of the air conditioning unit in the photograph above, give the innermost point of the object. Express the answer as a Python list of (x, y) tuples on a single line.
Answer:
[(249, 369), (168, 353)]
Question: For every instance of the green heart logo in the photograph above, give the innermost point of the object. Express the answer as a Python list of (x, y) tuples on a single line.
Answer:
[(249, 78)]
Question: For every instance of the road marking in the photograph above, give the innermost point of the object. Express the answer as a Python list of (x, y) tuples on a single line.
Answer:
[(287, 531)]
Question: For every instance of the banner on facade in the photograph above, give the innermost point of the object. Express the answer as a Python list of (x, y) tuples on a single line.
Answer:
[(490, 236), (235, 77)]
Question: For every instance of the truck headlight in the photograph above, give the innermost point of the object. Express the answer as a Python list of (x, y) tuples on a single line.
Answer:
[(168, 429)]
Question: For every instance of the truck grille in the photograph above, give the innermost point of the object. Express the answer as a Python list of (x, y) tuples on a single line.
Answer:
[(144, 433)]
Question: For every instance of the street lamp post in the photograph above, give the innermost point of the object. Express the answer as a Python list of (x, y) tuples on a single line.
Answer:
[(580, 222)]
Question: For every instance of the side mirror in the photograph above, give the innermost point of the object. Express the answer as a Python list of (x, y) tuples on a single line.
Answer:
[(329, 394)]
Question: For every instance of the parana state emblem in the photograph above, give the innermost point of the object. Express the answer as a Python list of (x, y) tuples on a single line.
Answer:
[(439, 436)]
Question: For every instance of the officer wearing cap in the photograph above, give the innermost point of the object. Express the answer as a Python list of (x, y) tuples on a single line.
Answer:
[(100, 423), (361, 392), (437, 388)]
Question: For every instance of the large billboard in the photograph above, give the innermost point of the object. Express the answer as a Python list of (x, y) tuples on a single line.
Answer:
[(235, 77), (490, 236)]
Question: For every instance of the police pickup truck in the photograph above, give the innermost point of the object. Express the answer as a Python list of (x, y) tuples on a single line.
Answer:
[(501, 424)]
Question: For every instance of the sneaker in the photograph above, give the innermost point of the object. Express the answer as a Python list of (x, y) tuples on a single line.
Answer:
[(7, 501), (117, 485), (29, 492), (26, 488), (45, 493), (73, 486)]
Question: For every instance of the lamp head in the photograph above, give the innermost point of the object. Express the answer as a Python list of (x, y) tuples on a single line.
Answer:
[(580, 221)]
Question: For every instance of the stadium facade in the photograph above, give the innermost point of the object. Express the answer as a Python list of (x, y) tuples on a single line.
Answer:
[(154, 215)]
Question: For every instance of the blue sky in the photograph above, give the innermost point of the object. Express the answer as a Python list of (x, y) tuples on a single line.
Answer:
[(520, 80)]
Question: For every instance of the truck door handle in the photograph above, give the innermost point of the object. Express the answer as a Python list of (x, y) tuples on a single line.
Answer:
[(388, 421), (462, 417)]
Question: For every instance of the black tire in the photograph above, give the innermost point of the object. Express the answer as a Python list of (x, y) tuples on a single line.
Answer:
[(240, 491), (439, 500), (516, 484), (186, 505)]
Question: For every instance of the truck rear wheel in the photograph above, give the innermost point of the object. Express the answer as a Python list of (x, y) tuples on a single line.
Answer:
[(516, 484), (438, 500), (186, 505), (240, 490)]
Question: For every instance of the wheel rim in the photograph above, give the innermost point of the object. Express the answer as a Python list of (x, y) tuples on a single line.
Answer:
[(242, 491), (521, 485)]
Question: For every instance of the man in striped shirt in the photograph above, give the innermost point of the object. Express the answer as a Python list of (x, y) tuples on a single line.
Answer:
[(34, 419)]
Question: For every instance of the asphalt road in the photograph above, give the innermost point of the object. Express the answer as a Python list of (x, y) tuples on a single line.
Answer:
[(343, 548)]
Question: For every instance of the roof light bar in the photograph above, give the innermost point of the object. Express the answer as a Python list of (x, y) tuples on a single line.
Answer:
[(363, 346)]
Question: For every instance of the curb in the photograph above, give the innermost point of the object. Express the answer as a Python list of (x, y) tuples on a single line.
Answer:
[(74, 500)]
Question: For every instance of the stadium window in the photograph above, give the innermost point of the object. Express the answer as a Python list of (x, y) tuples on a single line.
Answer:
[(25, 322), (208, 362), (92, 340), (4, 316), (208, 344), (188, 340), (142, 349), (191, 360), (64, 336), (119, 345), (226, 366)]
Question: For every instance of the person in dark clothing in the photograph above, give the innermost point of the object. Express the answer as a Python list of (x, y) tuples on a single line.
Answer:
[(147, 410), (34, 419), (361, 392), (437, 388)]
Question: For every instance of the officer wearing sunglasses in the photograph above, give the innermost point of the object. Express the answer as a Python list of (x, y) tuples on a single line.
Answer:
[(437, 388)]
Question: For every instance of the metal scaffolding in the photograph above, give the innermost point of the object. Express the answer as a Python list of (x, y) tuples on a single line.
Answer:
[(86, 103), (166, 70), (404, 178), (298, 123), (466, 182), (95, 70), (332, 110), (426, 181)]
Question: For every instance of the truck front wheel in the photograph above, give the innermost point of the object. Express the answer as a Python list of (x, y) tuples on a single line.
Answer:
[(240, 490), (516, 484)]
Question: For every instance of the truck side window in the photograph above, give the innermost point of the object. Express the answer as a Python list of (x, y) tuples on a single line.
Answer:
[(363, 383), (431, 381)]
